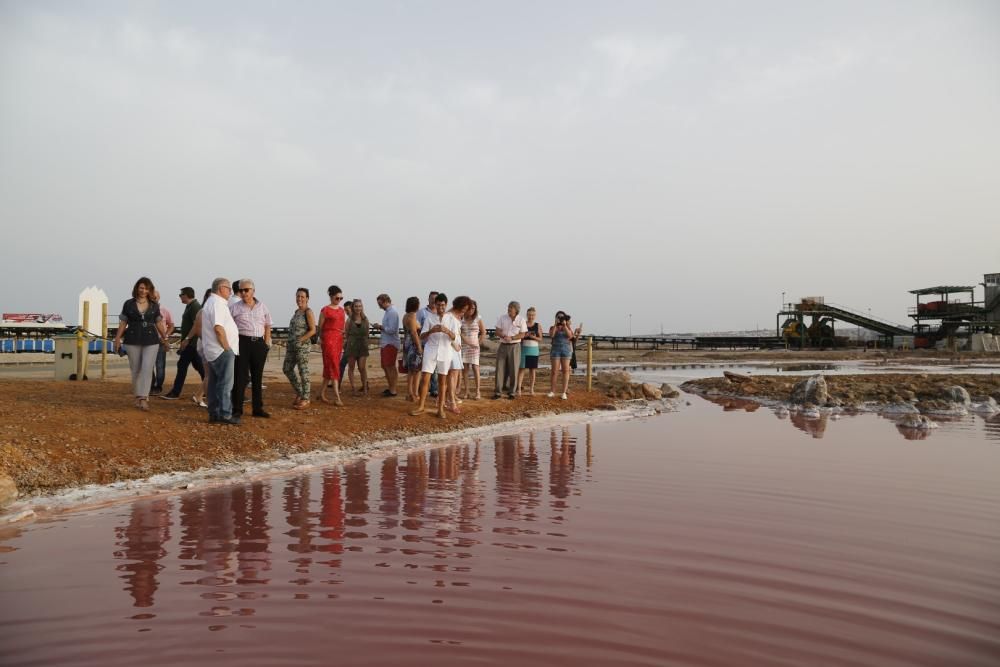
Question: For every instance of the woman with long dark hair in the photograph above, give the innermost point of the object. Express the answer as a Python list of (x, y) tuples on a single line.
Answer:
[(141, 329)]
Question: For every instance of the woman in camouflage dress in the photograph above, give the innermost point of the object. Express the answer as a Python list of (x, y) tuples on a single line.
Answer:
[(300, 332)]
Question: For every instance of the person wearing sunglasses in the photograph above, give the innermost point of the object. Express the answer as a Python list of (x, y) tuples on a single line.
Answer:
[(331, 341), (253, 321)]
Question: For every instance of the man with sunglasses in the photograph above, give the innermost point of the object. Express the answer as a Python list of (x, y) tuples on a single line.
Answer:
[(253, 321)]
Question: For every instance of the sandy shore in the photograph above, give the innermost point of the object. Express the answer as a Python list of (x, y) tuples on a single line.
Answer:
[(55, 435)]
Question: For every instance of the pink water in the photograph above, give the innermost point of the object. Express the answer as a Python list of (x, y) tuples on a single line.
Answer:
[(705, 537)]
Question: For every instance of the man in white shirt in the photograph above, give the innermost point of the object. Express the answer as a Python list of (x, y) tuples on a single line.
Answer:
[(438, 350), (421, 316), (219, 338), (510, 329)]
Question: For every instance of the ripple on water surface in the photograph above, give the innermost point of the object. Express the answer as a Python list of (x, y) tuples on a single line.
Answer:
[(711, 536)]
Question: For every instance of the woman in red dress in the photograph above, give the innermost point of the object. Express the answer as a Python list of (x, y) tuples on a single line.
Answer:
[(331, 340)]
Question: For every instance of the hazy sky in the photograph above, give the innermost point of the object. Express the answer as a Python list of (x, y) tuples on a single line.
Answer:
[(682, 162)]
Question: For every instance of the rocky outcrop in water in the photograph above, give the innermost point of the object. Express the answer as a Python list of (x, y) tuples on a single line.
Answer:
[(618, 384), (957, 394), (811, 390), (985, 405), (669, 391), (651, 392)]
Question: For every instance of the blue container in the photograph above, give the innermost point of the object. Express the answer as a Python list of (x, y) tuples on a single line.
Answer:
[(29, 345), (7, 345), (48, 345)]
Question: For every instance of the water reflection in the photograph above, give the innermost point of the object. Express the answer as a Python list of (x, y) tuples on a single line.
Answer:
[(815, 422), (441, 557), (993, 427), (141, 543), (732, 404), (425, 503), (809, 423)]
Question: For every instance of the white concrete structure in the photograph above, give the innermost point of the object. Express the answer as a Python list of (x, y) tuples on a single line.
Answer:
[(96, 297)]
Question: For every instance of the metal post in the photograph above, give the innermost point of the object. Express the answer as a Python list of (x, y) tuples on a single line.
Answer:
[(104, 341), (590, 363)]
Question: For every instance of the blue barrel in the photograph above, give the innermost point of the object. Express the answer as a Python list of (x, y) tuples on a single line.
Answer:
[(29, 345), (7, 345), (48, 345)]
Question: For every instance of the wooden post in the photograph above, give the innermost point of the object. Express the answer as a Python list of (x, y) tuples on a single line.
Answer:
[(590, 363), (104, 341)]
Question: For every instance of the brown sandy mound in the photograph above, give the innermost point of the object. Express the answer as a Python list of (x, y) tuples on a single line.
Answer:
[(59, 434)]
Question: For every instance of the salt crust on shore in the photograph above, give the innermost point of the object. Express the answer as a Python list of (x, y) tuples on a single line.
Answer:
[(93, 496)]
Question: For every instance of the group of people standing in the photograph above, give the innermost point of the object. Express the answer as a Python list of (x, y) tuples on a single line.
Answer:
[(227, 339)]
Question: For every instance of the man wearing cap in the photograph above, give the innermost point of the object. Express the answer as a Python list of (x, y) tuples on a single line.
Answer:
[(253, 321), (187, 353)]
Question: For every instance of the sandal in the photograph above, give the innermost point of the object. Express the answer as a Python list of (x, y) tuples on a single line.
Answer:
[(302, 405), (144, 404)]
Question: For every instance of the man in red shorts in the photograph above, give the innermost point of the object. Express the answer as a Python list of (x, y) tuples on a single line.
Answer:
[(388, 343)]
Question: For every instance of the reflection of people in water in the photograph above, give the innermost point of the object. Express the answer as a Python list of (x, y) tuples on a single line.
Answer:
[(297, 499), (414, 489), (562, 464), (331, 516), (356, 480), (253, 541), (389, 493), (471, 497), (141, 542)]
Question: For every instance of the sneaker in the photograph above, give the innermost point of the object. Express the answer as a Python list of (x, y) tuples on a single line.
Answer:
[(261, 413), (550, 395), (564, 397), (169, 397)]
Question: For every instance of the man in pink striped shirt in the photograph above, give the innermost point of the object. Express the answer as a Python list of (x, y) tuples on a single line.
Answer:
[(253, 320)]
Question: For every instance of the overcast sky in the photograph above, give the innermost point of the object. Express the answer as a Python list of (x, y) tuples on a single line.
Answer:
[(682, 162)]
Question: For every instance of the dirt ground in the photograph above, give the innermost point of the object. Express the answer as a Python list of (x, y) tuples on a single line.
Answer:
[(59, 434)]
